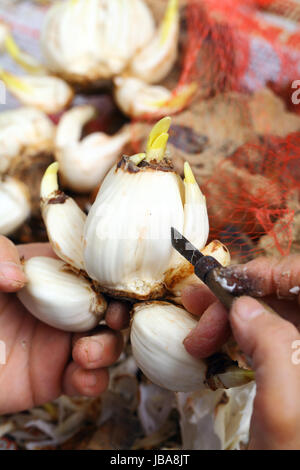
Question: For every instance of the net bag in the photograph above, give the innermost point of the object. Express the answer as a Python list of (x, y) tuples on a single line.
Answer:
[(237, 52)]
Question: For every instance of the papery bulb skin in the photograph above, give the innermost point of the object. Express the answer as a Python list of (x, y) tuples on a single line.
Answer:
[(88, 40), (4, 32), (124, 245)]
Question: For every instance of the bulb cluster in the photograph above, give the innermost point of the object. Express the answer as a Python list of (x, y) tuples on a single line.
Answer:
[(123, 249)]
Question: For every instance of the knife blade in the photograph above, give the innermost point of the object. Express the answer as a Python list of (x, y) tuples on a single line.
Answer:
[(209, 270)]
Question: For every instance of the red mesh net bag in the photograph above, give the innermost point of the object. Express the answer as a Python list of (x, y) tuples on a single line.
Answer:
[(234, 50), (259, 183)]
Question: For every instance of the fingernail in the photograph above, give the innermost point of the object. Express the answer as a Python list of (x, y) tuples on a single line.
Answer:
[(95, 351), (247, 309), (8, 272), (90, 380)]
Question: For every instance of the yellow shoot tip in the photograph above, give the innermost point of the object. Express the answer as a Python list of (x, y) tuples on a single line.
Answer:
[(49, 182), (13, 83), (171, 16), (189, 177), (161, 127), (25, 60), (138, 158)]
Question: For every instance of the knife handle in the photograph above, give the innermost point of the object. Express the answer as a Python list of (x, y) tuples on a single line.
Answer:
[(206, 269)]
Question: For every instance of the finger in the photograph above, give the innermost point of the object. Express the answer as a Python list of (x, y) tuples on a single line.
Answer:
[(268, 340), (117, 315), (99, 350), (12, 277), (78, 381), (264, 276), (36, 249), (211, 332), (196, 299)]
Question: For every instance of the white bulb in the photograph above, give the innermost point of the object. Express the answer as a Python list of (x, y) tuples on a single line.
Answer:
[(59, 297), (158, 330), (24, 131), (15, 205)]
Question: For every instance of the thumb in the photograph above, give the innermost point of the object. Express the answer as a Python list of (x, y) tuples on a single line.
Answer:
[(269, 340)]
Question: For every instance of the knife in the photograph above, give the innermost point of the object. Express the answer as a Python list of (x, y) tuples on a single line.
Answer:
[(211, 272)]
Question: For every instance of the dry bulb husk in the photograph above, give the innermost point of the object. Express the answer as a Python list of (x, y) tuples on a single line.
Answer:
[(124, 247)]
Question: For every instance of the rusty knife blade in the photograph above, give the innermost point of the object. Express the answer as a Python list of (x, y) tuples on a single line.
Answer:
[(184, 247)]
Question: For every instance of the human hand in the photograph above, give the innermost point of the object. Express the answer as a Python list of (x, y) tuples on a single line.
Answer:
[(269, 340), (41, 362)]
